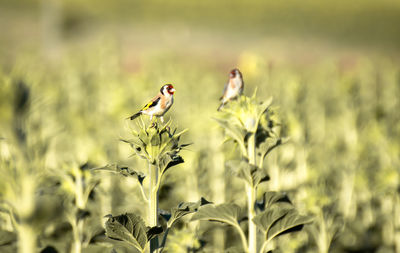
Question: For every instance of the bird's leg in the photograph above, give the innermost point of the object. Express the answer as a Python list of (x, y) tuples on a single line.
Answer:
[(220, 106), (151, 117), (162, 119)]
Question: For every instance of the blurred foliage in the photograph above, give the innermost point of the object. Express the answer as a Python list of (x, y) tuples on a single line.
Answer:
[(358, 22), (66, 88)]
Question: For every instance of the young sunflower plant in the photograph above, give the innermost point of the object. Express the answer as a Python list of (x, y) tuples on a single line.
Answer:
[(26, 209), (252, 127), (77, 183), (160, 147)]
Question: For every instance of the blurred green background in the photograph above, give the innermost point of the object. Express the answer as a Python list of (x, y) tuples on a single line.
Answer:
[(72, 71)]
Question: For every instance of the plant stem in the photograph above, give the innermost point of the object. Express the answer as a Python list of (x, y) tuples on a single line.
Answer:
[(77, 229), (251, 197), (217, 183), (153, 204), (242, 237), (251, 148), (396, 213), (267, 246), (164, 240), (143, 194), (77, 226), (77, 247), (79, 200), (26, 239), (264, 246)]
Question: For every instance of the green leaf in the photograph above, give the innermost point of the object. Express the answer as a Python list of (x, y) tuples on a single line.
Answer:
[(252, 174), (263, 107), (178, 212), (225, 213), (268, 145), (124, 171), (7, 237), (235, 131), (169, 161), (183, 209), (138, 146), (143, 136), (234, 250), (241, 169), (153, 231), (271, 198), (180, 133), (155, 140), (279, 220), (134, 142), (258, 175), (129, 228)]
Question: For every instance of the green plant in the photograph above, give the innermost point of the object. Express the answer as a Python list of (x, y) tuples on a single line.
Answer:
[(23, 174), (19, 202), (76, 185), (324, 230), (160, 147), (251, 126), (340, 111)]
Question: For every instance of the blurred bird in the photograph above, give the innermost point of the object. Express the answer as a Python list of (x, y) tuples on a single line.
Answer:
[(159, 105), (233, 88)]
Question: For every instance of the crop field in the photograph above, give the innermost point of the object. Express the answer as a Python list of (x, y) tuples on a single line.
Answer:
[(307, 159)]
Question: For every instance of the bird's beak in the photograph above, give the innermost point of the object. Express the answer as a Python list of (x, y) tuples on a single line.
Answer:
[(172, 90)]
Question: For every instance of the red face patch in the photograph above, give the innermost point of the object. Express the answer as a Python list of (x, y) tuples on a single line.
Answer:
[(170, 89), (233, 74)]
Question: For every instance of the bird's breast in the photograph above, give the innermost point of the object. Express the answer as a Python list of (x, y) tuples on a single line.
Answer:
[(169, 102)]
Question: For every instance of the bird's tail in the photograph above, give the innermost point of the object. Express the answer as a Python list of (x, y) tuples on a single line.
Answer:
[(134, 116)]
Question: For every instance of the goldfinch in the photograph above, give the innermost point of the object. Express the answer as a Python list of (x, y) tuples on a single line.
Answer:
[(233, 88), (159, 105)]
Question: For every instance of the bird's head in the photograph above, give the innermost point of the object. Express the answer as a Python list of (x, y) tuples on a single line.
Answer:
[(235, 73), (167, 89)]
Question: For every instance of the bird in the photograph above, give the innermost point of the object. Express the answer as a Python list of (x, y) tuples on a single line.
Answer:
[(233, 88), (159, 105)]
